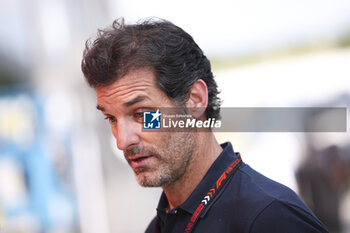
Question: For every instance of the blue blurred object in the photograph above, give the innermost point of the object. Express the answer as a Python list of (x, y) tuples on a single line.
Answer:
[(35, 167)]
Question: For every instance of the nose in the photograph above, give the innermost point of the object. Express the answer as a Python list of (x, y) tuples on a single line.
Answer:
[(126, 134)]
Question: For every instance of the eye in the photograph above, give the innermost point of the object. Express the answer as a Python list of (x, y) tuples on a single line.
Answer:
[(111, 119), (138, 115)]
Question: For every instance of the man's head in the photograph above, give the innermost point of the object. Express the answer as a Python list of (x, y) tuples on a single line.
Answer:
[(135, 68), (169, 51)]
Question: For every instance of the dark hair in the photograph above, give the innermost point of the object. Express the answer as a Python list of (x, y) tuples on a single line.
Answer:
[(177, 61)]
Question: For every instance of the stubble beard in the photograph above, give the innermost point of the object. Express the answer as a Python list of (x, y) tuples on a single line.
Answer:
[(173, 159)]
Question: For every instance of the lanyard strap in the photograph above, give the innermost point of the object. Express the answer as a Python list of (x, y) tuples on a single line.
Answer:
[(212, 192)]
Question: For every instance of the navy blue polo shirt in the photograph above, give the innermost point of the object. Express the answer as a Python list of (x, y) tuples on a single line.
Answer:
[(247, 203)]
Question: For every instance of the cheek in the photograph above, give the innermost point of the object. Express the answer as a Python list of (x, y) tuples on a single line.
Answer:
[(158, 143), (155, 139)]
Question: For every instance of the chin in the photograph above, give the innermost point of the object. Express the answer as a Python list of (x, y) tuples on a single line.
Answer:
[(145, 180)]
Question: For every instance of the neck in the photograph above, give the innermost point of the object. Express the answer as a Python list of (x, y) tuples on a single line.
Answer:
[(202, 159)]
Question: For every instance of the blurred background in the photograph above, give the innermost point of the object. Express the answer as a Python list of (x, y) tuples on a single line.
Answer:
[(59, 168)]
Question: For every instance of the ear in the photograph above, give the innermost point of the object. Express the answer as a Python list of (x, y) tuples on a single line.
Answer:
[(198, 99)]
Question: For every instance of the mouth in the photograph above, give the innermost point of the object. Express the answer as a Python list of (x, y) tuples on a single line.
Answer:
[(138, 161)]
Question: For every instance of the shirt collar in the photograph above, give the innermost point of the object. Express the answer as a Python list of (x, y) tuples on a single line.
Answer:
[(225, 158)]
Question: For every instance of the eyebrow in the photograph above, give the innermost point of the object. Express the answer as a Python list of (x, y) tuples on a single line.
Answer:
[(126, 104), (134, 101)]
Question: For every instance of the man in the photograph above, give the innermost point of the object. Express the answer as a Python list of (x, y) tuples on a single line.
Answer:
[(207, 188)]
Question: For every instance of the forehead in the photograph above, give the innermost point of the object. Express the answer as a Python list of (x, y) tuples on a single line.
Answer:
[(135, 83)]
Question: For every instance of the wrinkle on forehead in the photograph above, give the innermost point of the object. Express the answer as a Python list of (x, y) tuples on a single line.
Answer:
[(139, 82), (124, 88)]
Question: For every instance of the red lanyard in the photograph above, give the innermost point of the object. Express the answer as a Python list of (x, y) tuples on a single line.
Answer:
[(212, 193)]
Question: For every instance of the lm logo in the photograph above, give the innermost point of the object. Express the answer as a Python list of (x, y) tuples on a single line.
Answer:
[(151, 120)]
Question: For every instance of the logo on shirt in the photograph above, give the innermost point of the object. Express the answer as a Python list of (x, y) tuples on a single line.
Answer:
[(151, 120)]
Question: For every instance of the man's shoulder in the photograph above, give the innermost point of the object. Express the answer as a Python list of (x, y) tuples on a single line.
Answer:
[(249, 188), (152, 227), (250, 199), (252, 184), (284, 216)]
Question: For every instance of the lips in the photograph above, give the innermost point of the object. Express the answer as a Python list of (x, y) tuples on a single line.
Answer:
[(137, 161)]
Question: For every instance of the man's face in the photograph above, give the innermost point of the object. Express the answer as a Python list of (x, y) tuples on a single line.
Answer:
[(157, 158)]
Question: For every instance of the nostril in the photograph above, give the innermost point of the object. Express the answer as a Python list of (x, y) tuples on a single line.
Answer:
[(126, 138)]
